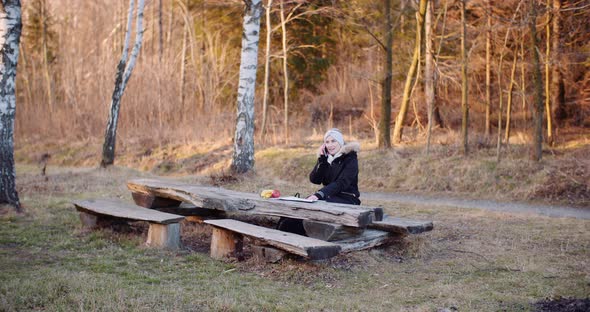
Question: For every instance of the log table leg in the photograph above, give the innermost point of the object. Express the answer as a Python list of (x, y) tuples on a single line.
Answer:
[(151, 201), (226, 243), (164, 235), (330, 231)]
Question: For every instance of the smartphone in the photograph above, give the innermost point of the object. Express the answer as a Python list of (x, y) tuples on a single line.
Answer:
[(325, 151)]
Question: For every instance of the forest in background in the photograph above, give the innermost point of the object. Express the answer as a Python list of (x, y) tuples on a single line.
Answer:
[(184, 85)]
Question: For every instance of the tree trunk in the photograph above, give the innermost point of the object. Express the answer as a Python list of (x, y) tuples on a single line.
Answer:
[(537, 144), (547, 75), (558, 86), (170, 22), (266, 68), (44, 39), (509, 100), (464, 94), (488, 68), (401, 115), (243, 157), (183, 58), (285, 73), (10, 33), (523, 82), (160, 32), (124, 70), (384, 138), (429, 71)]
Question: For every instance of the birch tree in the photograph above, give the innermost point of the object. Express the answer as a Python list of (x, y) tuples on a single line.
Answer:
[(243, 156), (10, 33), (124, 70)]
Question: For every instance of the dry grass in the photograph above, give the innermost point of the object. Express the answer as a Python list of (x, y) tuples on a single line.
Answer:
[(473, 260), (563, 176)]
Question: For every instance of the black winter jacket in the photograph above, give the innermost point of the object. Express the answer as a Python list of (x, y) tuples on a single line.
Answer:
[(340, 179)]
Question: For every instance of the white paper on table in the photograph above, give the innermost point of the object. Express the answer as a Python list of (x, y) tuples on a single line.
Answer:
[(293, 198)]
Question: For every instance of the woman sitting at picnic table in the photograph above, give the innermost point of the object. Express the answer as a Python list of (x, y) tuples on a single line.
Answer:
[(337, 169)]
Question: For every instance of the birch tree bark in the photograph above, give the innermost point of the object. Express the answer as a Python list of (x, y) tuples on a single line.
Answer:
[(243, 156), (401, 115), (124, 70), (384, 137), (10, 33)]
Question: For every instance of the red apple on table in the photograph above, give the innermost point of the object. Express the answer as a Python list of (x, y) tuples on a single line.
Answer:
[(275, 194)]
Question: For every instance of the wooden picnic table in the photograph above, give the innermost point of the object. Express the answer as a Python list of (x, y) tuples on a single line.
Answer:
[(331, 227)]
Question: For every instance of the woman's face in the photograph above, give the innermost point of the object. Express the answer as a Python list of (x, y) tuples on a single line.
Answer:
[(332, 145)]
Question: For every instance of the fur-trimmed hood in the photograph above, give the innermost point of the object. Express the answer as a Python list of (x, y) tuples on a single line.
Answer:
[(350, 147)]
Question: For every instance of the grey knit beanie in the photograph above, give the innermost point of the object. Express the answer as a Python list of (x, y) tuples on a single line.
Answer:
[(336, 134)]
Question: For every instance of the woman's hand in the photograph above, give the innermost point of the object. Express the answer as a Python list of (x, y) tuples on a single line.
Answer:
[(312, 197), (322, 150)]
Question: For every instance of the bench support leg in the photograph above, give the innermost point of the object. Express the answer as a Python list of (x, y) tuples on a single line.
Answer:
[(164, 235), (226, 243), (151, 201), (268, 254), (89, 221), (92, 221)]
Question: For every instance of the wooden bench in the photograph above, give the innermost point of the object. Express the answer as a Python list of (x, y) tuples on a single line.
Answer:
[(401, 225), (164, 230), (377, 233), (227, 240)]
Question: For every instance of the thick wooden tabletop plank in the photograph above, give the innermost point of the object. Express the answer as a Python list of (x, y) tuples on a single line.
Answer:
[(402, 226), (120, 209), (300, 245), (227, 200)]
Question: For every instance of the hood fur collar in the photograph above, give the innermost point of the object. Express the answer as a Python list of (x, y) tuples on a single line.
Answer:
[(350, 147)]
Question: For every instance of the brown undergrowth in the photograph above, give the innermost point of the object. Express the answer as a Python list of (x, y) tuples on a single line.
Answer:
[(561, 177)]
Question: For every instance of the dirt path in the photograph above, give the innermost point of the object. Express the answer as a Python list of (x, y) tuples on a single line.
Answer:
[(546, 210)]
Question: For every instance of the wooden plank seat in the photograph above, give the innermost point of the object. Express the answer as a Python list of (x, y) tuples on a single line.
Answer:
[(164, 230), (146, 192), (227, 240), (401, 225)]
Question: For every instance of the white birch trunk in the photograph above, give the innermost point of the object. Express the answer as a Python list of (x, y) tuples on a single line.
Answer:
[(243, 157), (124, 70), (10, 32)]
